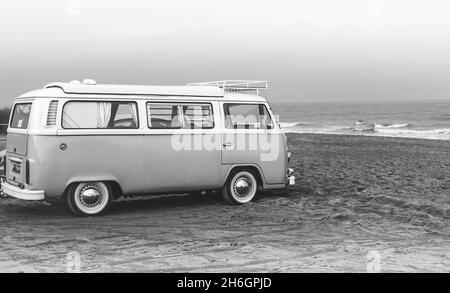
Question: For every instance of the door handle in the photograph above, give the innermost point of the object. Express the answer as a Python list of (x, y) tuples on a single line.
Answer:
[(228, 144)]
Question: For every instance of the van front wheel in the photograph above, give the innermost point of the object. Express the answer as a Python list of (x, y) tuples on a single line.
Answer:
[(89, 198), (241, 187)]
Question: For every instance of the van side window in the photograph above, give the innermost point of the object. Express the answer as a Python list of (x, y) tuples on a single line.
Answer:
[(100, 115), (247, 116), (198, 116), (21, 115), (179, 116)]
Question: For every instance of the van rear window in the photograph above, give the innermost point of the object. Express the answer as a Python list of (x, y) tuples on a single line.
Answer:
[(21, 115)]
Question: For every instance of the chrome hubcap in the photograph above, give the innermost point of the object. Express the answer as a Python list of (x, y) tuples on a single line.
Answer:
[(242, 186), (91, 195)]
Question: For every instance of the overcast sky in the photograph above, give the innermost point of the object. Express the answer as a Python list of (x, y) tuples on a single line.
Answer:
[(315, 50)]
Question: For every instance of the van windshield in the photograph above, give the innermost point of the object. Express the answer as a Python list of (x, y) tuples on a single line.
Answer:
[(21, 115)]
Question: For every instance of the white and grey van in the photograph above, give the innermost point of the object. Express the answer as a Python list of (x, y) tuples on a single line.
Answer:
[(88, 143)]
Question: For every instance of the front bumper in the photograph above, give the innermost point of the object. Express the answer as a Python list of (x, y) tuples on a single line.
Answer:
[(290, 178), (19, 193)]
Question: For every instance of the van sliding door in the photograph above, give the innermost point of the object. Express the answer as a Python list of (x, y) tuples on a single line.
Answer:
[(181, 148)]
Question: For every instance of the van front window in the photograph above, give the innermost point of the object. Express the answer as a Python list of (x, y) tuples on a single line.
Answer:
[(91, 115), (21, 115), (247, 116)]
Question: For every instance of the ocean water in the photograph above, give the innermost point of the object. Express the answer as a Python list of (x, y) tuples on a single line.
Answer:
[(427, 120)]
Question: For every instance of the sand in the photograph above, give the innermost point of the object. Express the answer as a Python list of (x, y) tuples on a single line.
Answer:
[(360, 204)]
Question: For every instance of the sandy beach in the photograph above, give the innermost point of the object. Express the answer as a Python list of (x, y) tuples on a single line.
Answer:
[(360, 203)]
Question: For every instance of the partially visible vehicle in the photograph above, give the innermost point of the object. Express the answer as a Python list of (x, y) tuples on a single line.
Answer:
[(89, 143)]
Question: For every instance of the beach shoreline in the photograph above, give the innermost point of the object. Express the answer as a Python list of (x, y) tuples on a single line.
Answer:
[(360, 204), (426, 119)]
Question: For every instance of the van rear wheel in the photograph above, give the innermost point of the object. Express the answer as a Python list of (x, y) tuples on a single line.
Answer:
[(241, 187), (89, 198)]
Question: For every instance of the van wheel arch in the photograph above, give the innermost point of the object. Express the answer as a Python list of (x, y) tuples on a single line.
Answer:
[(114, 185), (251, 168)]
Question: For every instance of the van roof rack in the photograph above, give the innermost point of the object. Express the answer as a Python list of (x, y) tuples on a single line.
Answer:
[(235, 85)]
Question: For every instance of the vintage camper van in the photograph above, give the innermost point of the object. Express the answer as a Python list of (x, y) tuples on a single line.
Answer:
[(88, 143)]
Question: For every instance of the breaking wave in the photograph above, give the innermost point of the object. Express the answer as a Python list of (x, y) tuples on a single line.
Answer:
[(370, 129), (391, 126), (292, 124)]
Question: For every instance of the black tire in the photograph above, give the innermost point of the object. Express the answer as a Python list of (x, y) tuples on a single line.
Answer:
[(241, 187), (89, 198)]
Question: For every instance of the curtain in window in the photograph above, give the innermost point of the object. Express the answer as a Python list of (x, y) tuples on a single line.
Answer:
[(104, 114), (133, 111), (177, 118)]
